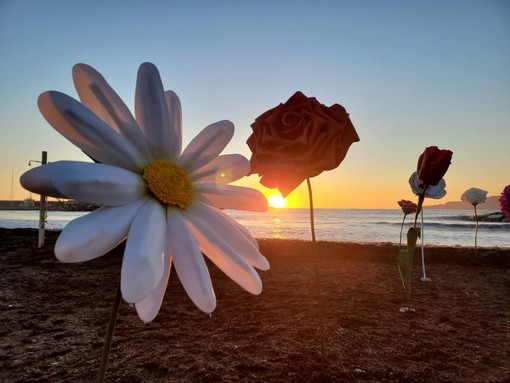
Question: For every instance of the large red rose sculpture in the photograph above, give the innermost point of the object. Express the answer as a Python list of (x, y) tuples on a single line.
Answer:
[(295, 141), (298, 140)]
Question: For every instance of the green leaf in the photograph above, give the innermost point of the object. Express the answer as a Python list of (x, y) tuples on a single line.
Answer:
[(403, 269), (405, 260), (412, 237)]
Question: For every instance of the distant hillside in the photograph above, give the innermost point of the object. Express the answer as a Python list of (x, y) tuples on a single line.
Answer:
[(492, 203)]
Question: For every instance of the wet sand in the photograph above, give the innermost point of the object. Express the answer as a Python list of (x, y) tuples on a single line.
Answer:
[(53, 318)]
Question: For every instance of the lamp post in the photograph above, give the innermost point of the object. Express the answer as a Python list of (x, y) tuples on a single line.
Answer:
[(43, 208)]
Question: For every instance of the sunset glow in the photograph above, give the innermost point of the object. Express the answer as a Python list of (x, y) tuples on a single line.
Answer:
[(458, 99), (276, 201)]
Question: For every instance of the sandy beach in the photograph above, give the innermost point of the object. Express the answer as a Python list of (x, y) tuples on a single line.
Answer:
[(53, 317)]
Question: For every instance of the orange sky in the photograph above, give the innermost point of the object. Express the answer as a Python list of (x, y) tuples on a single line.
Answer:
[(410, 74)]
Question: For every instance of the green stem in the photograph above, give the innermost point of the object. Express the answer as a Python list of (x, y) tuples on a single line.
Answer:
[(316, 258), (401, 229), (419, 208), (109, 336), (421, 198)]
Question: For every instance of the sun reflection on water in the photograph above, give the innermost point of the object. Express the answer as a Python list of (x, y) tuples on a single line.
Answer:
[(276, 229)]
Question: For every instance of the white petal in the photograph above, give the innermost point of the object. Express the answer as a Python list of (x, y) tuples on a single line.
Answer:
[(415, 184), (230, 197), (189, 262), (437, 191), (244, 231), (237, 239), (206, 146), (88, 132), (39, 180), (148, 308), (222, 255), (98, 183), (97, 95), (151, 112), (143, 264), (96, 233), (173, 105), (223, 169)]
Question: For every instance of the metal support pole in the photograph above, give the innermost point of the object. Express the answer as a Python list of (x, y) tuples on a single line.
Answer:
[(42, 208)]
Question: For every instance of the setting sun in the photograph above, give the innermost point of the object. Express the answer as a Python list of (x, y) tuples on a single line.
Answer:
[(276, 201)]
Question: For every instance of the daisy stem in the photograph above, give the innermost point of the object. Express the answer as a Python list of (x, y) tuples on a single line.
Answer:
[(109, 335), (316, 258)]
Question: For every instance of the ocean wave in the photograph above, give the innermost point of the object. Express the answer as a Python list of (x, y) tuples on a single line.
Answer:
[(459, 226), (441, 228), (463, 226)]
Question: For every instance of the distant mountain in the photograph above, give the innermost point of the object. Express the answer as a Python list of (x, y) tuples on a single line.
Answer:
[(492, 203)]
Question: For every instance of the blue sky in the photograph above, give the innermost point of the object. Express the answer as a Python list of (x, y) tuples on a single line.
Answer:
[(411, 74)]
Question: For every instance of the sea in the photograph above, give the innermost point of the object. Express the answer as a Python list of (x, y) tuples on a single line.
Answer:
[(441, 227)]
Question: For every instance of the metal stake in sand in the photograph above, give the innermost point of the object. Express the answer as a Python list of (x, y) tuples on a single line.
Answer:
[(424, 277), (316, 258)]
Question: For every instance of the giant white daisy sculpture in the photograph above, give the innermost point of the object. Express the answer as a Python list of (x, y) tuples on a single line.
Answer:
[(166, 201)]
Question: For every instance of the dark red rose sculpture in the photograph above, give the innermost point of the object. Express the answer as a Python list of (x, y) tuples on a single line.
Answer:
[(433, 164), (408, 207), (297, 140)]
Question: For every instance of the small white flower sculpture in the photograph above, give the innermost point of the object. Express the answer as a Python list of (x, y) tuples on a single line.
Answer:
[(474, 196), (165, 201)]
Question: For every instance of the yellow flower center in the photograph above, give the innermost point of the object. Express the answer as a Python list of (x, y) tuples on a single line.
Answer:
[(169, 183)]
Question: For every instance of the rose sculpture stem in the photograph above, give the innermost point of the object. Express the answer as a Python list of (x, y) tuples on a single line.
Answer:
[(476, 230), (109, 335), (316, 259)]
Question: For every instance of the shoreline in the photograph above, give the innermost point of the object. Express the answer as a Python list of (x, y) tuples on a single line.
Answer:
[(54, 206), (56, 232)]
